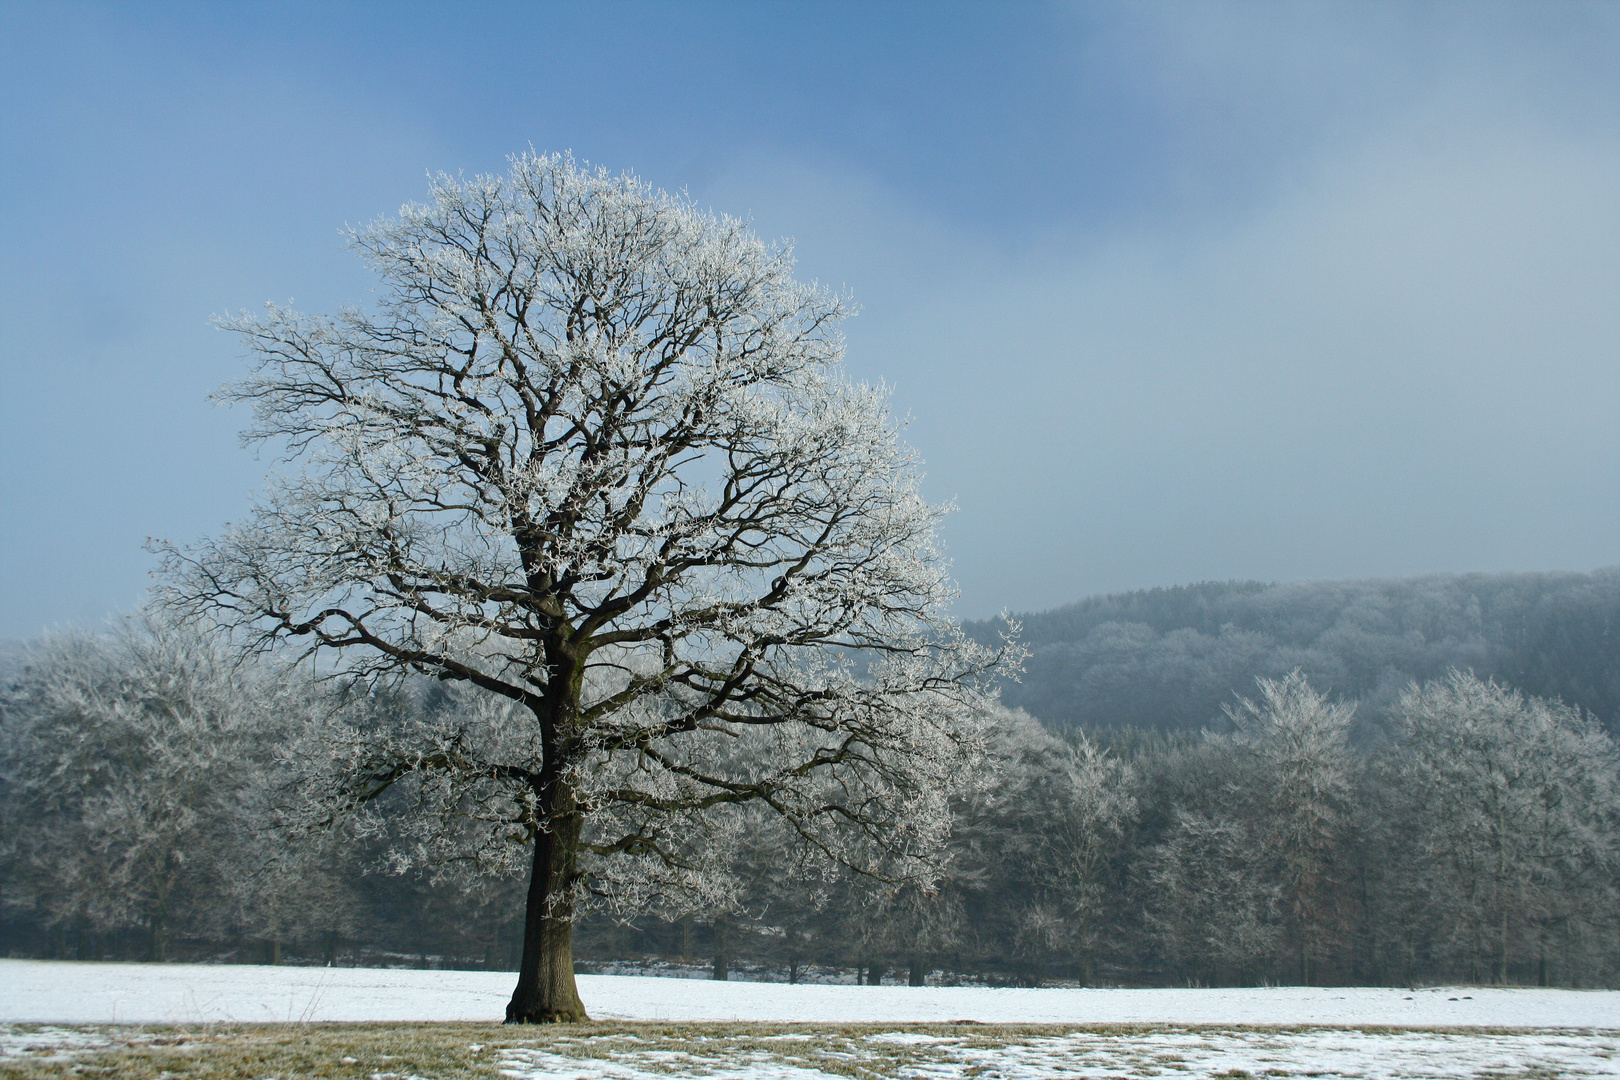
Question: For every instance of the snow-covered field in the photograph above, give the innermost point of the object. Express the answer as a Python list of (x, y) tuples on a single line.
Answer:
[(41, 991), (1279, 1031)]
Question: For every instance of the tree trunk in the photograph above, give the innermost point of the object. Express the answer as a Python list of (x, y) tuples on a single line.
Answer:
[(492, 950), (917, 974), (722, 960), (1502, 963), (546, 992), (158, 952)]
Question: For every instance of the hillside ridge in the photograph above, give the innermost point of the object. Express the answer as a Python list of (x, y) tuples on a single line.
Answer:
[(1167, 658)]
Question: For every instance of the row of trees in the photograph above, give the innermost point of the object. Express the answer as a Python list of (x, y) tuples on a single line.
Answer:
[(140, 781), (1472, 836), (150, 808)]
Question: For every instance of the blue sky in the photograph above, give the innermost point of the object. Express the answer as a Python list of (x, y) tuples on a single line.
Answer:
[(1169, 292)]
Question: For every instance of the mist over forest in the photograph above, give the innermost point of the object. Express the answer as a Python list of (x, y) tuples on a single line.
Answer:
[(1168, 659)]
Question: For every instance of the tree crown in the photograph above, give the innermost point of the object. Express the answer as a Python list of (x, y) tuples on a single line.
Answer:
[(593, 452)]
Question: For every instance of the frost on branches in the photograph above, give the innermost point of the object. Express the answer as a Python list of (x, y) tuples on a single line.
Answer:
[(593, 455)]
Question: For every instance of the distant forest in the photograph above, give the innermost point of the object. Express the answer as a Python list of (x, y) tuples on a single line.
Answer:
[(1423, 787), (1169, 659)]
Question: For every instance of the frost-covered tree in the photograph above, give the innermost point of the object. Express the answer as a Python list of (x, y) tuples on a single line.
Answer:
[(284, 883), (124, 758), (1034, 853), (1253, 863), (1500, 827), (1301, 783), (1087, 837), (592, 454), (1212, 908)]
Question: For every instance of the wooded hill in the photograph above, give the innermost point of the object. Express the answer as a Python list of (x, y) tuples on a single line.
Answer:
[(1168, 659)]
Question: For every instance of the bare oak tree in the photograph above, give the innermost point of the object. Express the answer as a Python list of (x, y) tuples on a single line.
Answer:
[(593, 455)]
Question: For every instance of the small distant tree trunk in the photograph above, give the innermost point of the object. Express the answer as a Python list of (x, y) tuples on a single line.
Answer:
[(722, 962), (686, 937), (1502, 949), (160, 910), (917, 974), (793, 970), (272, 951), (159, 949), (329, 948)]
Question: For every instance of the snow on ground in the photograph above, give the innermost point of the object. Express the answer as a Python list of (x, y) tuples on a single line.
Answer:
[(43, 991), (1371, 1055), (49, 1043)]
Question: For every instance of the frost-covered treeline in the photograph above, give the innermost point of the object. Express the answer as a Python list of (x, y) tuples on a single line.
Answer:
[(139, 775), (1472, 835), (156, 804)]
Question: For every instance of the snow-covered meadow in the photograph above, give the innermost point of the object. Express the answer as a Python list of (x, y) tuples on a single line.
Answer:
[(741, 1029), (44, 991)]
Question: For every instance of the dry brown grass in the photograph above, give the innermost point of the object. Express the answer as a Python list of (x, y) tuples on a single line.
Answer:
[(455, 1051), (463, 1050)]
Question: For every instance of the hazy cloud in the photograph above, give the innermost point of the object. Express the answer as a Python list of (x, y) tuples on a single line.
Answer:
[(1171, 293), (1401, 359)]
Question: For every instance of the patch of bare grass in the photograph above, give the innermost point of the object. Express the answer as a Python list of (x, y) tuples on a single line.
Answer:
[(649, 1051)]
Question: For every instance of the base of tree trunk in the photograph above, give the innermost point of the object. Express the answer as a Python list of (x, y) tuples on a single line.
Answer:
[(550, 999), (553, 1016), (547, 993)]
